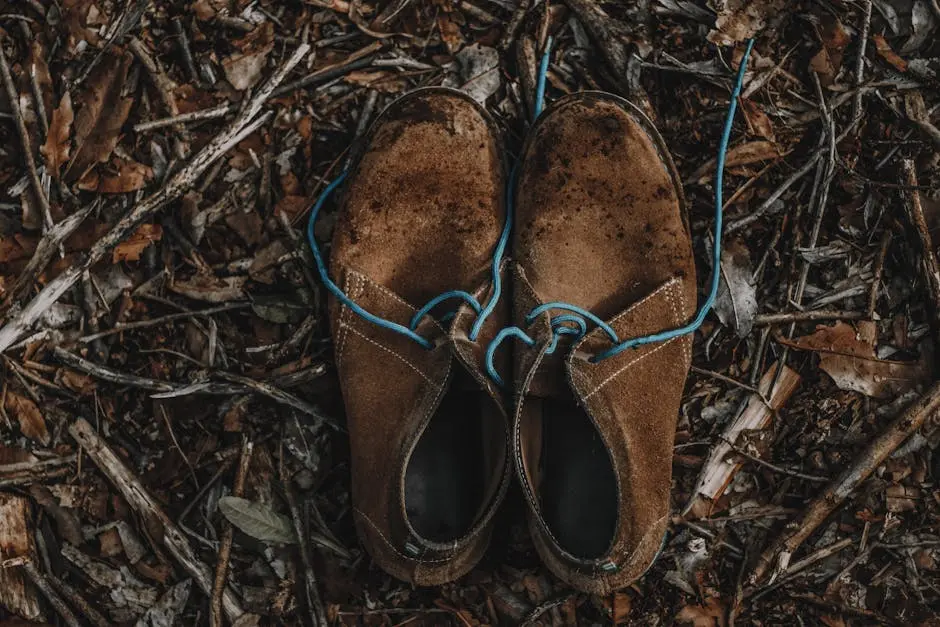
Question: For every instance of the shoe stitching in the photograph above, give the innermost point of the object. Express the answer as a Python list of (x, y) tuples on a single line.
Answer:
[(391, 546), (627, 365), (389, 350), (665, 287), (344, 319), (393, 296), (676, 301)]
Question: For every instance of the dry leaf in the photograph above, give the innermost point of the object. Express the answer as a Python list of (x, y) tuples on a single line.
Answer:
[(211, 289), (479, 71), (712, 614), (166, 611), (133, 248), (759, 121), (848, 356), (120, 177), (736, 303), (257, 520), (32, 424), (103, 112), (77, 382), (57, 146), (899, 498), (244, 68), (742, 154), (292, 206), (888, 54), (450, 32), (742, 19), (828, 61)]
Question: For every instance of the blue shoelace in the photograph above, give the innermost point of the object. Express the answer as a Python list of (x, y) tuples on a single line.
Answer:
[(574, 315)]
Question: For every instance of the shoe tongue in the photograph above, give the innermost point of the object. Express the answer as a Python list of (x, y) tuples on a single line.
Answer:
[(550, 379)]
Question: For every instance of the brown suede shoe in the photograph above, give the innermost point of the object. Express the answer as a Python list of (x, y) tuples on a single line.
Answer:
[(423, 210), (600, 223)]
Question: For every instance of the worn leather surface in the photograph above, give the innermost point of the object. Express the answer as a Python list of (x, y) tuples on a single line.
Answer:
[(421, 214), (600, 223)]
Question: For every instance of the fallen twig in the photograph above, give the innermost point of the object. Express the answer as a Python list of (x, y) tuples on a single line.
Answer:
[(138, 497), (41, 582), (314, 604), (914, 209), (166, 389), (776, 558), (120, 327), (244, 124), (14, 100), (45, 250), (228, 535), (816, 315)]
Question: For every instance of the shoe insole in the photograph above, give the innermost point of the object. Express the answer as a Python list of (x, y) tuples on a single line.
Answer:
[(444, 480), (578, 488)]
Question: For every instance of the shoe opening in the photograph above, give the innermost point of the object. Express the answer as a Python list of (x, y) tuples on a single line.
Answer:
[(457, 465), (571, 473)]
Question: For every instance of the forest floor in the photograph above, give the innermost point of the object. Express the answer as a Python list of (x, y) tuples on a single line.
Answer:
[(169, 402)]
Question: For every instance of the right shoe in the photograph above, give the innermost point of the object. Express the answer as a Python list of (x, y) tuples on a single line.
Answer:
[(422, 210), (600, 223)]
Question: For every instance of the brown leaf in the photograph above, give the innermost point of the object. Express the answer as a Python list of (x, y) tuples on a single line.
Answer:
[(742, 19), (828, 61), (888, 54), (848, 356), (244, 68), (133, 248), (122, 176), (57, 146), (104, 110), (32, 424), (211, 289), (77, 382), (450, 32), (759, 121), (742, 154), (712, 614), (292, 206)]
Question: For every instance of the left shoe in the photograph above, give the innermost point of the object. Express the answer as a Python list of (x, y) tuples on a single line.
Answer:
[(422, 211), (600, 223)]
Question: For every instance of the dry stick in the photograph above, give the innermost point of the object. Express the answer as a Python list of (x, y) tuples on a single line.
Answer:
[(245, 123), (228, 536), (169, 389), (860, 63), (767, 205), (915, 213), (879, 271), (14, 99), (88, 611), (147, 507), (40, 581), (219, 111), (140, 324), (46, 249), (165, 87), (314, 604), (184, 48), (777, 556), (815, 315)]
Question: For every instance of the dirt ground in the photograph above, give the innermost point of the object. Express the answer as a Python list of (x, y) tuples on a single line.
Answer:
[(172, 449)]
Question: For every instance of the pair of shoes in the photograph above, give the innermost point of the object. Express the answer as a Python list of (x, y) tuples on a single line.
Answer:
[(594, 219)]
